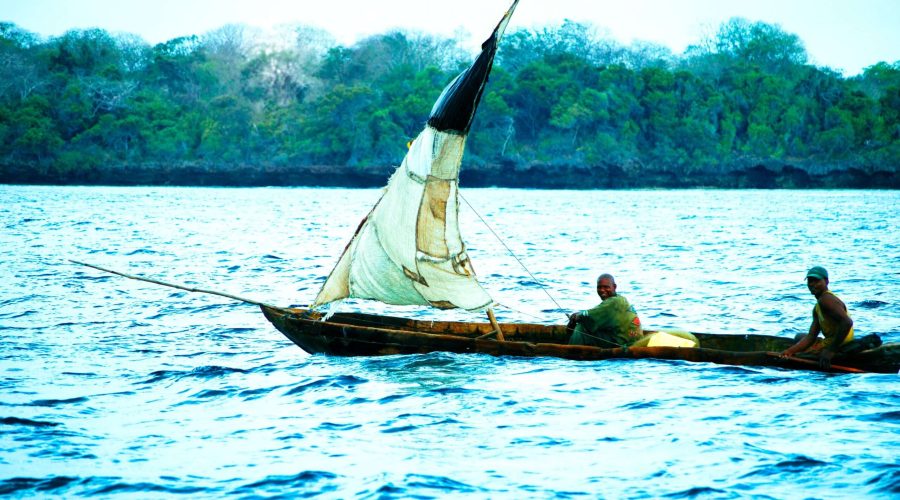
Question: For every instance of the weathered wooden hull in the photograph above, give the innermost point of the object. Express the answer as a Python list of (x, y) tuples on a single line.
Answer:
[(355, 334)]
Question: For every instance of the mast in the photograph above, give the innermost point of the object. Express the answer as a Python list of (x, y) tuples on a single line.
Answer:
[(409, 250)]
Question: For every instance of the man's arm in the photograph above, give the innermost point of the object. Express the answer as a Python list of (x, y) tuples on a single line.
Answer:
[(602, 315), (806, 341)]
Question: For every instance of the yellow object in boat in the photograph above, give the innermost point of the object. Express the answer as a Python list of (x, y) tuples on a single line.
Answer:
[(663, 339)]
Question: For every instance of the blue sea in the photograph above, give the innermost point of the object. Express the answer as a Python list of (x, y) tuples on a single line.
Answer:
[(111, 387)]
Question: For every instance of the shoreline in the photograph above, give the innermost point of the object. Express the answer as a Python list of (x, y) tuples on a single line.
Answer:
[(536, 177)]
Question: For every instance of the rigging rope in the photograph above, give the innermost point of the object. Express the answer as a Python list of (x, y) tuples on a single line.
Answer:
[(586, 334), (518, 311), (511, 252)]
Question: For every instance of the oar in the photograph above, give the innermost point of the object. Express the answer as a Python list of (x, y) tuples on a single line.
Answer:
[(170, 285), (810, 362)]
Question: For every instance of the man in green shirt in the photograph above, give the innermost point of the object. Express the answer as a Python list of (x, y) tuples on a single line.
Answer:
[(613, 323)]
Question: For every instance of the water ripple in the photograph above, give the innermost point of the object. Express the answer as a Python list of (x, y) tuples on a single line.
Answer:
[(58, 402), (871, 304), (441, 484), (342, 381), (44, 485), (146, 488), (886, 482), (26, 422), (702, 492), (309, 482), (202, 372)]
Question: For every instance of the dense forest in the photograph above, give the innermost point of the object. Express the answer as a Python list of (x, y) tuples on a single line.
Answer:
[(565, 107)]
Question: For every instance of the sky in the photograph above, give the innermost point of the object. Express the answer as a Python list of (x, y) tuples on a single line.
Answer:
[(845, 35)]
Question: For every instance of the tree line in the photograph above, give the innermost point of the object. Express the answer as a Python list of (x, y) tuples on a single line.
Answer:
[(565, 107)]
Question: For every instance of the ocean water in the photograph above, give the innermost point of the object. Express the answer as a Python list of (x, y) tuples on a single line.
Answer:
[(111, 387)]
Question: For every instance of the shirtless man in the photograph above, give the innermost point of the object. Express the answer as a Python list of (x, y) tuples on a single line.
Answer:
[(829, 316)]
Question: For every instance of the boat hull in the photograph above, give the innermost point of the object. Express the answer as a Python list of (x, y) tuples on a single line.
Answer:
[(355, 334)]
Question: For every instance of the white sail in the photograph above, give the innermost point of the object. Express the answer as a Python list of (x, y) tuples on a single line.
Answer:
[(408, 250)]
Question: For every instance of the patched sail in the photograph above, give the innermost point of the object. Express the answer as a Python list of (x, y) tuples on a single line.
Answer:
[(408, 250)]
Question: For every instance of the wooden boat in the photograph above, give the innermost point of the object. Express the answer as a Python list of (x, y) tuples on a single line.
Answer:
[(357, 334), (408, 251)]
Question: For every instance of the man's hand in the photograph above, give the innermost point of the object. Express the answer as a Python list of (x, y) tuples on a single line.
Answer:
[(825, 359), (573, 320)]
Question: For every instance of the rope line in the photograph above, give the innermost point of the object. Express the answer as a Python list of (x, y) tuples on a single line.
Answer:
[(541, 285), (518, 311), (603, 340)]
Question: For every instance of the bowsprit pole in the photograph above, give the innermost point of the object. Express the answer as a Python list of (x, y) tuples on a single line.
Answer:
[(172, 285)]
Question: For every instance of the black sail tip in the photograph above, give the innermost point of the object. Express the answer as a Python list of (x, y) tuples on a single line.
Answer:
[(455, 108)]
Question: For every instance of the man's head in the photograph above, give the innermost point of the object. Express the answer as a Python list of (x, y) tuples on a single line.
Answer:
[(606, 286), (817, 280)]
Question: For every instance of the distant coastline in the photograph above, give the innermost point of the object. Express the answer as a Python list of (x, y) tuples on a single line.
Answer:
[(563, 109), (754, 176)]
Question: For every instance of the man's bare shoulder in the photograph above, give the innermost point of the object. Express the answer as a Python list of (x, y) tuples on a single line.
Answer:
[(830, 303)]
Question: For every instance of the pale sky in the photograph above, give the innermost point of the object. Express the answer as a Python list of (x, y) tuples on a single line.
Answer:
[(845, 35)]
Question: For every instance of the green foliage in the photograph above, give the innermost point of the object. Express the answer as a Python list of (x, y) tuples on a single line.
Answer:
[(560, 97), (84, 52), (76, 164), (31, 135), (760, 44)]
